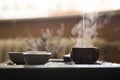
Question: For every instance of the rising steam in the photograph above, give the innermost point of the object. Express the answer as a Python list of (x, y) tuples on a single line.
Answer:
[(86, 29)]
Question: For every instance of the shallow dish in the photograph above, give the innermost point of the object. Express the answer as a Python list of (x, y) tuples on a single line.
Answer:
[(36, 57)]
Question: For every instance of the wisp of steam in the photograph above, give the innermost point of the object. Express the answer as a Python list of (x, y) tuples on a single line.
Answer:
[(86, 29)]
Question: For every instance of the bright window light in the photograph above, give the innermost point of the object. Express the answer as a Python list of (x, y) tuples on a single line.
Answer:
[(20, 9)]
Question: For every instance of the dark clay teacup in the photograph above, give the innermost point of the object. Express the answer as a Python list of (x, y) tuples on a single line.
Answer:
[(84, 55), (16, 57)]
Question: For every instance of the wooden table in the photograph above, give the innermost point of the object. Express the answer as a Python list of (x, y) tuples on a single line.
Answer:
[(61, 71)]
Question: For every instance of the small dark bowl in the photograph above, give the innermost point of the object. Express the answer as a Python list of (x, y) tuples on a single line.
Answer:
[(16, 57), (66, 58), (84, 55), (36, 57)]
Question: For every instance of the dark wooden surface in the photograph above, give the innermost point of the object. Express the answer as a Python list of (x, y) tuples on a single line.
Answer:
[(60, 71)]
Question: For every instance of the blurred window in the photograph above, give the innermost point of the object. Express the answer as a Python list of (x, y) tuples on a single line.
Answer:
[(17, 9)]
